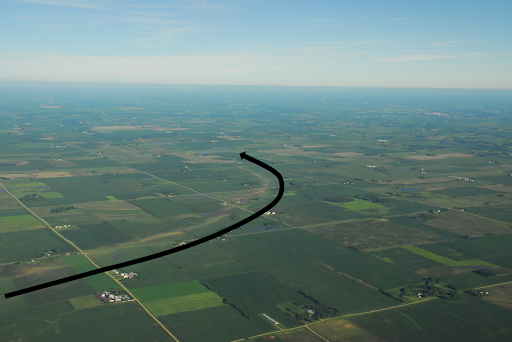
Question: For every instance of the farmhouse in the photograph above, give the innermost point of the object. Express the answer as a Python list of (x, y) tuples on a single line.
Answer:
[(128, 275)]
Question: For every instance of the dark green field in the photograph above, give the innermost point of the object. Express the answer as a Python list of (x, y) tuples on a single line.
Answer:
[(471, 320), (90, 236), (30, 244), (219, 324)]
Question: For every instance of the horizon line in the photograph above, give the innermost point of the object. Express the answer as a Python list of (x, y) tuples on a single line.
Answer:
[(2, 82)]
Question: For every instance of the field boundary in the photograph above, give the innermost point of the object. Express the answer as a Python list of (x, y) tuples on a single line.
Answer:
[(349, 276)]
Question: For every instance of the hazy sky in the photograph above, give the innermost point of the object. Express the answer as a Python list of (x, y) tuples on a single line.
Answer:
[(374, 43)]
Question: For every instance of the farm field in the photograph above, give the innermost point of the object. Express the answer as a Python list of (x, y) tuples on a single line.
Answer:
[(169, 290), (184, 303), (380, 193), (470, 319)]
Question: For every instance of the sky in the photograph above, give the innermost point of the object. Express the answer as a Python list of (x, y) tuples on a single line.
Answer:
[(364, 43)]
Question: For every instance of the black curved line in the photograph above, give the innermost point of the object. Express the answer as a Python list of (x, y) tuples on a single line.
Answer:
[(243, 155)]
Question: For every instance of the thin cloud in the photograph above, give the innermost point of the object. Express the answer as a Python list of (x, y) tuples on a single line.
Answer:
[(67, 3), (421, 57)]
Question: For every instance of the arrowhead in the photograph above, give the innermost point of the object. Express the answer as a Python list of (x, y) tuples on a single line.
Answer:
[(242, 155)]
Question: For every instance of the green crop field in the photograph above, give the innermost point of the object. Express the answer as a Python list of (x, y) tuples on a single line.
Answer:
[(29, 244), (343, 329), (267, 294), (216, 324), (447, 261), (146, 294), (358, 204), (25, 276), (185, 303), (91, 236), (80, 264), (85, 302), (471, 320), (373, 233), (19, 222)]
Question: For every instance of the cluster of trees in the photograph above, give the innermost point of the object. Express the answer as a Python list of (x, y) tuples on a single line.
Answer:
[(249, 183), (271, 223), (318, 310), (487, 272), (62, 209), (338, 199), (297, 185), (432, 287), (389, 294), (373, 198), (31, 197), (423, 217), (474, 292)]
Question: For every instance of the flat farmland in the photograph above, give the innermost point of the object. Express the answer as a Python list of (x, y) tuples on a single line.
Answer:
[(100, 282), (499, 295), (499, 212), (302, 335), (409, 260), (130, 321), (343, 330), (90, 236), (296, 247), (146, 294), (191, 302), (9, 204), (139, 170), (471, 320), (373, 234), (29, 244), (466, 224), (122, 186), (312, 277), (266, 294), (203, 255), (34, 274), (465, 191), (153, 273), (85, 302), (216, 324), (19, 222)]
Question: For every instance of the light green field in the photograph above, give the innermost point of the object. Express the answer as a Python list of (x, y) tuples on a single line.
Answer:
[(17, 223), (23, 185), (111, 198), (101, 282), (290, 306), (85, 302), (357, 204), (192, 302), (446, 261), (186, 288)]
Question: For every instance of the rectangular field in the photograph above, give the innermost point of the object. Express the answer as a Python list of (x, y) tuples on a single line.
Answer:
[(147, 294), (185, 303)]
